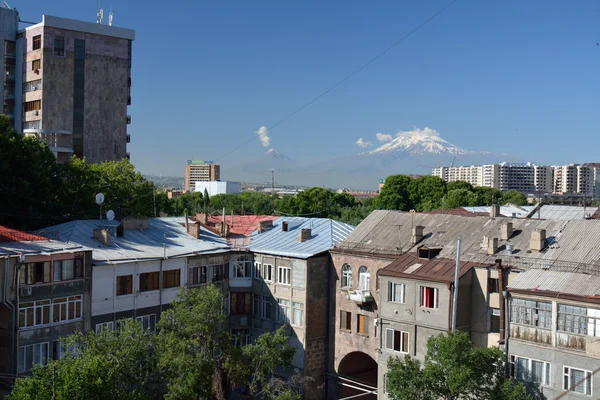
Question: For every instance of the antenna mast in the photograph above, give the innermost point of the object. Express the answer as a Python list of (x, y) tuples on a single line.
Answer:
[(100, 15)]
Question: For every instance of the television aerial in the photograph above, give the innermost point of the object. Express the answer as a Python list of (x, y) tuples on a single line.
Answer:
[(110, 215)]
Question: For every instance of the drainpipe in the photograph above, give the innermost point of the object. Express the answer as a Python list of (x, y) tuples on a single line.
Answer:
[(15, 328), (502, 289)]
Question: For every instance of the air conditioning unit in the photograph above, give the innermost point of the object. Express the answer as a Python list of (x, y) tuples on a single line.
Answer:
[(37, 71), (35, 88), (128, 119), (36, 112), (26, 291)]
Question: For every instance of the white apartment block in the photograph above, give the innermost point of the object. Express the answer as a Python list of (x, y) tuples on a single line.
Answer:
[(527, 178)]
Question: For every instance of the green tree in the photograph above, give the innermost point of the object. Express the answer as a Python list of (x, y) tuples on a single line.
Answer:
[(427, 192), (486, 196), (453, 368), (103, 366), (514, 197), (206, 198), (194, 353), (460, 198), (459, 185), (395, 194)]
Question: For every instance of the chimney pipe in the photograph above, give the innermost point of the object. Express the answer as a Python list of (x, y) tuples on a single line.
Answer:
[(417, 234), (187, 225), (305, 234), (494, 211), (502, 288), (538, 240), (284, 226), (492, 246), (507, 230)]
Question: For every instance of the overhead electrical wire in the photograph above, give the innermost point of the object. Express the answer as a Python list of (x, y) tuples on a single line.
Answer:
[(347, 77)]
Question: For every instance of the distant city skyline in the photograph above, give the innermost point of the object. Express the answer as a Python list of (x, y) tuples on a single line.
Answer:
[(514, 77)]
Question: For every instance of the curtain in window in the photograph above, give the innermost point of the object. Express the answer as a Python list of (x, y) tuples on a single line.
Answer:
[(537, 371)]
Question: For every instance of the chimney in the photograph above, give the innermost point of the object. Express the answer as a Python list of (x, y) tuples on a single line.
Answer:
[(120, 230), (284, 226), (103, 236), (417, 234), (193, 229), (202, 218), (506, 231), (265, 225), (304, 234), (492, 246), (136, 223), (494, 211), (223, 229), (538, 240)]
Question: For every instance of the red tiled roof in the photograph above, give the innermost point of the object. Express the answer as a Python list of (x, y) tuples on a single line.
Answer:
[(459, 211), (436, 269), (13, 235), (243, 225)]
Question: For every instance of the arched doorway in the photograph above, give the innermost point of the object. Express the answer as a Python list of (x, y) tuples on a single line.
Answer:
[(361, 368)]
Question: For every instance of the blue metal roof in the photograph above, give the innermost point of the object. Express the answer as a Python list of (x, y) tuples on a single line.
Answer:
[(326, 233), (165, 236)]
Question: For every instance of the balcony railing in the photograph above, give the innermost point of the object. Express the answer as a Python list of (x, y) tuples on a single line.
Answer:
[(58, 141), (359, 296)]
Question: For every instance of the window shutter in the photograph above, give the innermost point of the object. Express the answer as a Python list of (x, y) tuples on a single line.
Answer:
[(390, 291), (405, 342)]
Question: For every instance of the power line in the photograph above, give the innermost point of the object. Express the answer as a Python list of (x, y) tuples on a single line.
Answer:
[(359, 69)]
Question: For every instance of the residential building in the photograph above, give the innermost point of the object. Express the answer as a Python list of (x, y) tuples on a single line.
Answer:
[(290, 284), (139, 263), (554, 324), (45, 287), (217, 187), (68, 83), (200, 171)]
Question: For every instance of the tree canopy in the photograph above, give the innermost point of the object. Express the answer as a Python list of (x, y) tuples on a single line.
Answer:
[(452, 368)]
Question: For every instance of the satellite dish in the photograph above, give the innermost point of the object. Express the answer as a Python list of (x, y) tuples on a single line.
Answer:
[(110, 215), (99, 199)]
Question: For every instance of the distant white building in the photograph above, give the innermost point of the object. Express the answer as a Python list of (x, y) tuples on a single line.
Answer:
[(217, 187)]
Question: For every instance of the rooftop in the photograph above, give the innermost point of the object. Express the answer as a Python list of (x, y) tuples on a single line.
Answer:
[(13, 235), (325, 233), (14, 242), (166, 237), (438, 269), (556, 283), (84, 26)]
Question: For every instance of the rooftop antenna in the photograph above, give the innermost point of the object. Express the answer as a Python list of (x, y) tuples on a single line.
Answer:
[(6, 5), (110, 17), (100, 15), (110, 215), (99, 201)]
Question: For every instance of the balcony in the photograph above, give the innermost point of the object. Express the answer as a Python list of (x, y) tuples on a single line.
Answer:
[(58, 141), (359, 296), (128, 138)]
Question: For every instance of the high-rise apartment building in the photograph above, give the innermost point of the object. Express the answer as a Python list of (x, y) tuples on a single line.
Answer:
[(200, 171), (68, 83)]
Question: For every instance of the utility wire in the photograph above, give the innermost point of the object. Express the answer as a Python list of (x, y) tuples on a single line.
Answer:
[(365, 65)]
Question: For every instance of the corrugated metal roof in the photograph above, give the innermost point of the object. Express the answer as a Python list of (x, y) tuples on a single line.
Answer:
[(437, 269), (39, 247), (325, 234), (568, 242), (557, 282), (551, 211), (140, 244), (506, 210), (13, 235)]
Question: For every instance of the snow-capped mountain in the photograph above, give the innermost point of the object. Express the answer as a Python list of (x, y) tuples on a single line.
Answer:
[(276, 154), (420, 142)]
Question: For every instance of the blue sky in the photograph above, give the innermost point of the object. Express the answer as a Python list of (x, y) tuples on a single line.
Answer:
[(513, 76)]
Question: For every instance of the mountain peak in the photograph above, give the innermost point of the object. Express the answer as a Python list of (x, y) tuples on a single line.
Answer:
[(419, 142), (276, 154)]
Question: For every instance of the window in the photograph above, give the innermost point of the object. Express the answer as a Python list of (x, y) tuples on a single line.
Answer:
[(148, 322), (534, 313), (364, 278), (171, 278), (257, 270), (578, 320), (124, 285), (396, 292), (495, 320), (60, 349), (262, 306), (429, 297), (105, 327), (59, 46), (36, 64), (346, 276), (241, 265), (284, 312), (35, 313), (345, 320), (33, 105), (283, 275), (197, 275), (267, 271), (220, 272), (240, 337), (64, 270), (78, 263), (32, 354), (148, 281), (37, 42), (66, 309), (396, 340), (528, 370), (577, 380), (493, 285), (225, 304), (241, 303), (35, 273), (362, 324), (297, 313)]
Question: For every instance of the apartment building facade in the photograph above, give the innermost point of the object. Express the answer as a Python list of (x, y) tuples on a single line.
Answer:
[(45, 286), (68, 83), (200, 171)]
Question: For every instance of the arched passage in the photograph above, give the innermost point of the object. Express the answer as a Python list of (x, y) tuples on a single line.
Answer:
[(362, 368)]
